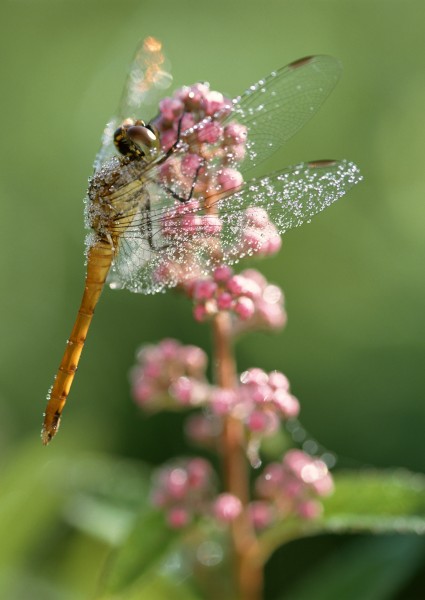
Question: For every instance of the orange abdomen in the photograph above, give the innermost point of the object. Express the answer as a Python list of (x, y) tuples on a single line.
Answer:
[(99, 261)]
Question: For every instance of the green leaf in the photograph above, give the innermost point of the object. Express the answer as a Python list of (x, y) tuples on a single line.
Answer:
[(376, 502), (145, 548), (156, 586), (366, 568), (365, 501)]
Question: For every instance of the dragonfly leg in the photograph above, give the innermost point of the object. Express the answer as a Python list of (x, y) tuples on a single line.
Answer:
[(192, 188), (149, 228)]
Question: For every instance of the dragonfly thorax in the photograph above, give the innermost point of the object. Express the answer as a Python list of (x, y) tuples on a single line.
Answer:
[(114, 194), (137, 141)]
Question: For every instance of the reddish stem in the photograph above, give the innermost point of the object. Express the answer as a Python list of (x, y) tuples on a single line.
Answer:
[(248, 566)]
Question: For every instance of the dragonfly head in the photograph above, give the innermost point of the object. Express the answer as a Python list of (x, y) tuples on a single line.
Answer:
[(137, 141)]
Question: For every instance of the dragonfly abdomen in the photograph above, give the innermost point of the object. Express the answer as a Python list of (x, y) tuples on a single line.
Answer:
[(99, 260)]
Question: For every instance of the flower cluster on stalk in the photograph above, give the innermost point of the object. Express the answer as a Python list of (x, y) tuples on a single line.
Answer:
[(172, 376), (194, 231)]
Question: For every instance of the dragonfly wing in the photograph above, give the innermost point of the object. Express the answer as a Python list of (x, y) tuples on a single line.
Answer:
[(276, 107), (147, 79), (168, 242), (283, 200)]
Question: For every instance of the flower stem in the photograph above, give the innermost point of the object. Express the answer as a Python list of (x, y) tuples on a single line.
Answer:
[(247, 563)]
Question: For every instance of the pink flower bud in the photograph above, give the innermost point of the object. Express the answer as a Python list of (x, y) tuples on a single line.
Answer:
[(229, 179), (256, 216), (244, 307), (200, 312), (224, 301), (287, 404), (177, 483), (204, 289), (190, 164), (310, 509), (223, 400), (199, 472), (278, 381), (261, 513), (211, 224), (222, 273), (178, 517), (168, 138), (255, 376), (210, 132), (194, 358), (257, 421), (182, 390), (188, 121), (213, 102), (235, 133), (227, 508), (171, 109)]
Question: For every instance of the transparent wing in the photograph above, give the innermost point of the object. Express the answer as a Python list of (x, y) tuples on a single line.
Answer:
[(148, 77), (168, 243), (276, 107)]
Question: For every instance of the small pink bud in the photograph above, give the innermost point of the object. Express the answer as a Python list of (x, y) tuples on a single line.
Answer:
[(244, 307), (194, 358), (210, 132), (213, 102), (257, 421), (199, 472), (310, 509), (200, 312), (227, 508), (222, 273), (182, 390), (178, 517), (261, 514), (190, 164), (258, 217), (224, 301), (177, 483), (168, 138), (211, 224), (278, 381), (188, 121), (287, 404), (235, 133), (223, 400), (169, 349), (229, 178), (143, 391), (171, 109), (204, 289), (254, 376)]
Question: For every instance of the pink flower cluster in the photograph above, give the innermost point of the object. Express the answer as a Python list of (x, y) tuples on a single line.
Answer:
[(294, 486), (266, 400), (169, 375), (172, 376), (260, 235), (208, 141), (248, 296), (184, 490), (261, 401)]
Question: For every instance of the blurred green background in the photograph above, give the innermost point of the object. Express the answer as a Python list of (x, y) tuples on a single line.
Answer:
[(354, 278)]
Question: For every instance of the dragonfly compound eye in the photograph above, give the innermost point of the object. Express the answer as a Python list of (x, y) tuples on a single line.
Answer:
[(144, 138), (136, 141)]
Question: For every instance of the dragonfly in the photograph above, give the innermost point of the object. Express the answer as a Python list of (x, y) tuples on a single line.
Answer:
[(172, 197)]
